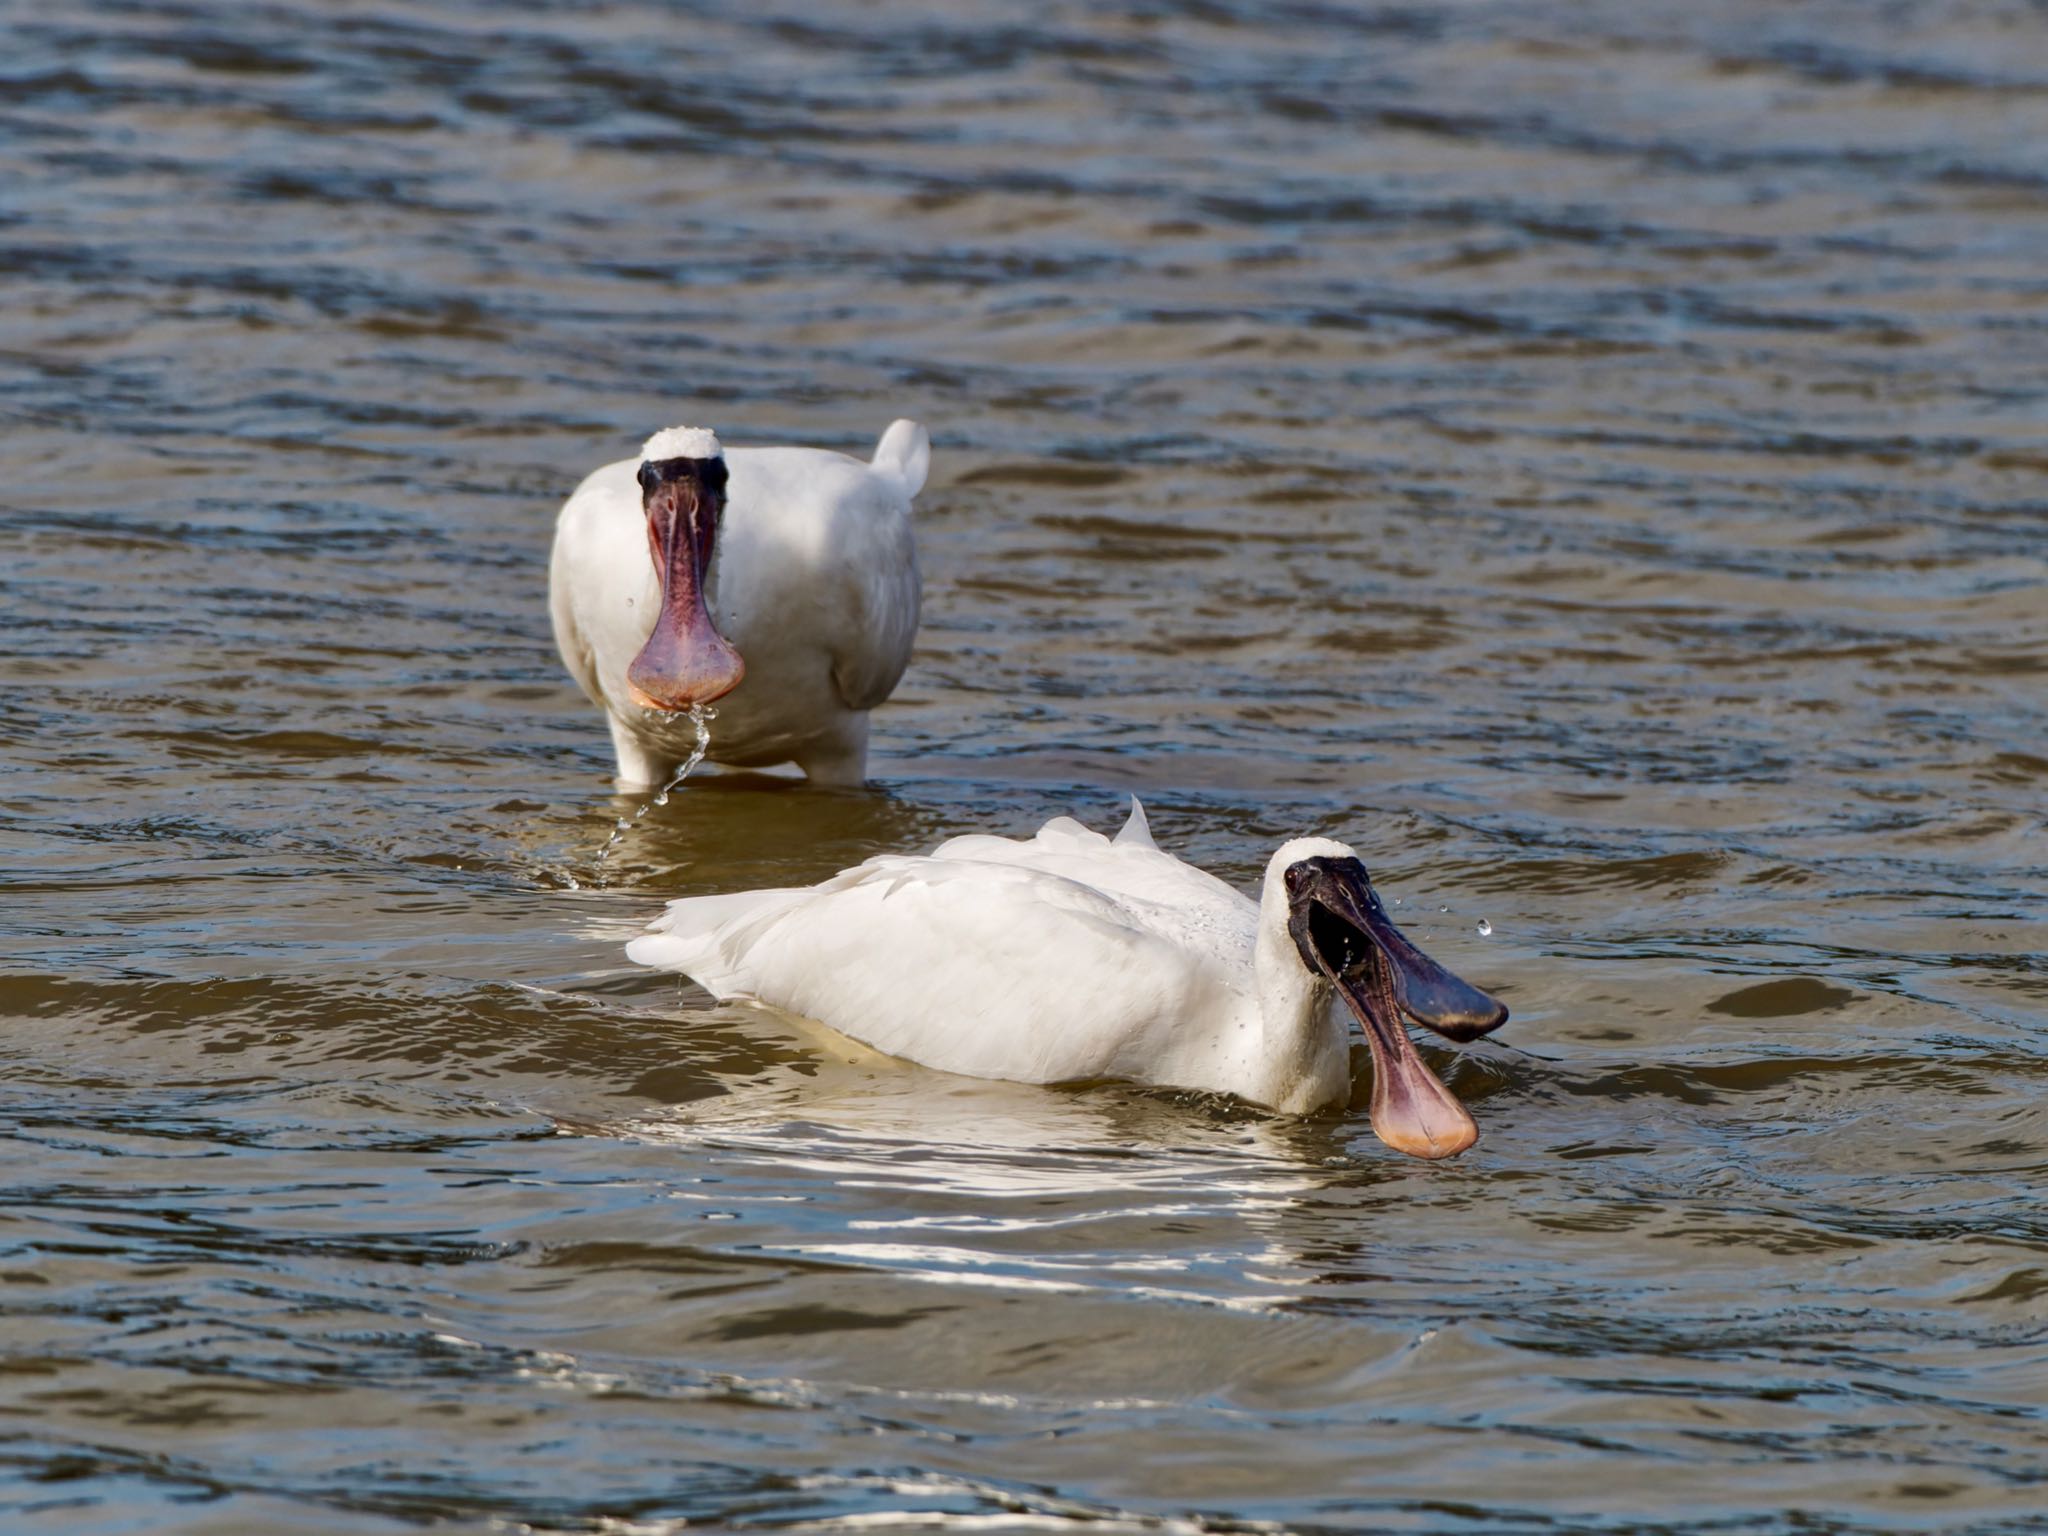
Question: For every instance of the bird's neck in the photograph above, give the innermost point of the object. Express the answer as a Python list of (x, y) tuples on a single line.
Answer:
[(1306, 1052)]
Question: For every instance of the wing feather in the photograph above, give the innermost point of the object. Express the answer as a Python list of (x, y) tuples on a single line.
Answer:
[(993, 970)]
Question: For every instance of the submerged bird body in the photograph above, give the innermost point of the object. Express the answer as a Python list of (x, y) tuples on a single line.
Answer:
[(780, 582), (1070, 956)]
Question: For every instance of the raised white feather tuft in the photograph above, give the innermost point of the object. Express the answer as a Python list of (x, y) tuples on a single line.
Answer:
[(1137, 831), (681, 443)]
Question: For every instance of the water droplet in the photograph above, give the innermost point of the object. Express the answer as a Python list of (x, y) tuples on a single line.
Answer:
[(1485, 929)]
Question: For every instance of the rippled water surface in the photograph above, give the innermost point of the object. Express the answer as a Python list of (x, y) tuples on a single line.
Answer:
[(1591, 456)]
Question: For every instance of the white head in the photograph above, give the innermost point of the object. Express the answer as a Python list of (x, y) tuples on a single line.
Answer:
[(1319, 903), (681, 443)]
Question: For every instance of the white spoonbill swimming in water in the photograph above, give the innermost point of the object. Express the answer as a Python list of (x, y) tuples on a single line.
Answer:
[(780, 582), (1070, 956)]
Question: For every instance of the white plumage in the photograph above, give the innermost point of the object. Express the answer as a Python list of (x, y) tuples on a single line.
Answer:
[(812, 580), (1070, 956), (681, 443)]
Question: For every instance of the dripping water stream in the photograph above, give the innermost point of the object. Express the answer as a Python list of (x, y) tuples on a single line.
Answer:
[(701, 716)]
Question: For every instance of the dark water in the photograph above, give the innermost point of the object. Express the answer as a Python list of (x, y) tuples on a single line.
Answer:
[(1592, 456)]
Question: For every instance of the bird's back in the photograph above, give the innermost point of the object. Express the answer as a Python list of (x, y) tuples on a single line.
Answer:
[(992, 957), (1169, 896)]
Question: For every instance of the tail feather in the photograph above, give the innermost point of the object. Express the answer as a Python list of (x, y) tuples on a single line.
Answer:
[(691, 935), (905, 451)]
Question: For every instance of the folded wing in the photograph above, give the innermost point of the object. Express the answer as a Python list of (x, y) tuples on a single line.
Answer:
[(993, 969)]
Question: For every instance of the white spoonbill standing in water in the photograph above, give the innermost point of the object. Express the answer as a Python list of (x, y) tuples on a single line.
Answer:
[(1069, 957), (780, 582)]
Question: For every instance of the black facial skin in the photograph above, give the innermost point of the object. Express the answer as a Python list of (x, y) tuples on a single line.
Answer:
[(1342, 931), (688, 488), (710, 471)]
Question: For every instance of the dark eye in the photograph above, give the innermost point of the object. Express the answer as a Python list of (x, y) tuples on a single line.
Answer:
[(648, 477), (1295, 875)]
